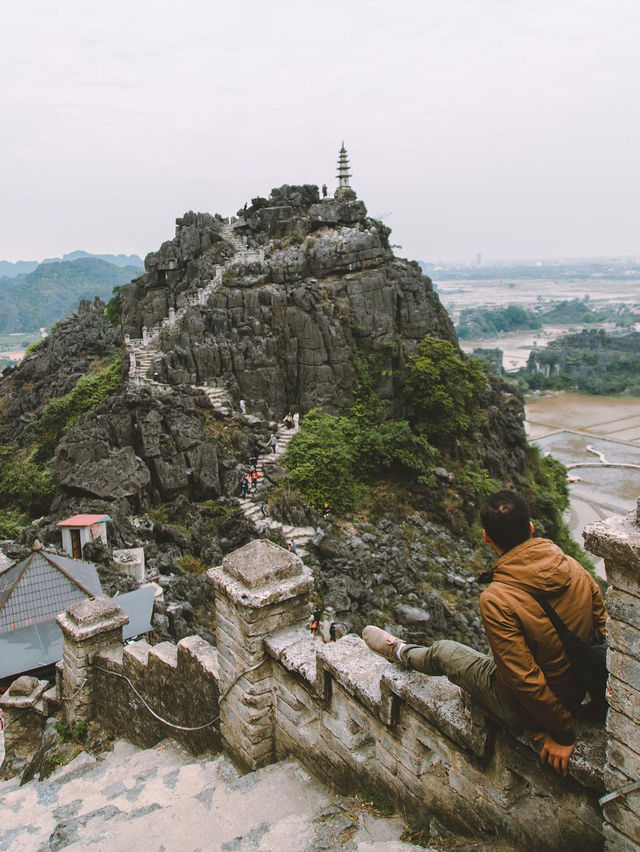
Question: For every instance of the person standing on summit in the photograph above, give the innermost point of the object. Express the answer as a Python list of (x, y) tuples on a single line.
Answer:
[(528, 683)]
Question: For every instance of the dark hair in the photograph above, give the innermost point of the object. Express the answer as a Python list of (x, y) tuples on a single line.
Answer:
[(506, 519)]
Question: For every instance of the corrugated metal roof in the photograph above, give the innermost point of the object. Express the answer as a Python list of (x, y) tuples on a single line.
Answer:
[(41, 586), (41, 644), (83, 520), (84, 573), (138, 605)]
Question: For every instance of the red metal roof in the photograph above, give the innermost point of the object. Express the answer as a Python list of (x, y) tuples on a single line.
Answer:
[(83, 520)]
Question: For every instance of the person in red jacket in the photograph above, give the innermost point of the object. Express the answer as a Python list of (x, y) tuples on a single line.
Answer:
[(527, 683)]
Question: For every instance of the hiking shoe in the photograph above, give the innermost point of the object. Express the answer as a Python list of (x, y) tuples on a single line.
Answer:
[(383, 643)]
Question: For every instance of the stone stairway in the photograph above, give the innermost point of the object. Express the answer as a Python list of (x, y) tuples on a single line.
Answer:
[(140, 348), (231, 237), (143, 354), (144, 357), (165, 799), (218, 397), (251, 508)]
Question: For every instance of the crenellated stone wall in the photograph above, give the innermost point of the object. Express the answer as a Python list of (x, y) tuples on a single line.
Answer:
[(356, 720), (618, 541)]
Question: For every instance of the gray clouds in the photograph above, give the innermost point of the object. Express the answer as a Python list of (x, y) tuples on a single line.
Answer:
[(507, 127)]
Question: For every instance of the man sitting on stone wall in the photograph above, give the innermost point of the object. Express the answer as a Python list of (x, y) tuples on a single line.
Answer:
[(528, 682)]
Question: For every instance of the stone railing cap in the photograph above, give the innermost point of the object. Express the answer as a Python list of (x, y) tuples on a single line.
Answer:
[(24, 692), (260, 563), (273, 592), (92, 616), (24, 685), (616, 538)]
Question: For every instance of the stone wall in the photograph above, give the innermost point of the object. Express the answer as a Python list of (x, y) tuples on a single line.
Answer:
[(142, 692), (25, 707), (618, 541), (361, 721), (357, 720), (179, 682)]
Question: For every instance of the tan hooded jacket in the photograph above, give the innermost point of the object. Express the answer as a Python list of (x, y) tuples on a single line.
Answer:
[(528, 653)]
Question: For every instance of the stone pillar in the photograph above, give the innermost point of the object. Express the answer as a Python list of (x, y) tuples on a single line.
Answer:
[(618, 541), (25, 715), (260, 588), (145, 335), (172, 316), (201, 296), (87, 627)]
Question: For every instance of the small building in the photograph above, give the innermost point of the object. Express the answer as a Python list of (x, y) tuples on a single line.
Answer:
[(34, 591), (79, 529), (44, 584)]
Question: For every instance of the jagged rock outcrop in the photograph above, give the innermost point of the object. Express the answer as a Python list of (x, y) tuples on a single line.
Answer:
[(411, 573), (318, 281), (280, 308), (146, 450), (179, 265), (54, 368)]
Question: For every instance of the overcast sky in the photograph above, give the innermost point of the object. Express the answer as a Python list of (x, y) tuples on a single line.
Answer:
[(507, 127)]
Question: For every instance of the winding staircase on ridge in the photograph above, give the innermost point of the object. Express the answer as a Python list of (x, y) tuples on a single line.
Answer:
[(144, 351)]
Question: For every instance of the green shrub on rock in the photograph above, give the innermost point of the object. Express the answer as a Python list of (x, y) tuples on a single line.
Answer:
[(191, 564), (25, 484), (11, 524), (442, 390), (321, 464), (61, 413)]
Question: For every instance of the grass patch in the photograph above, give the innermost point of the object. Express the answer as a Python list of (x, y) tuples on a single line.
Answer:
[(59, 414), (158, 515), (376, 802), (12, 523), (192, 564)]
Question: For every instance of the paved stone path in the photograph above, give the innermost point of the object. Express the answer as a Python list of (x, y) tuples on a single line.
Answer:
[(165, 799)]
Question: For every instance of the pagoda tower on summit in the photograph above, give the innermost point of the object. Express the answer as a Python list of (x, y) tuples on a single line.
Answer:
[(344, 190)]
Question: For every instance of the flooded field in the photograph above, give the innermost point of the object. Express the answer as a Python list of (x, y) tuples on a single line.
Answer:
[(12, 346), (517, 345), (527, 292), (579, 429)]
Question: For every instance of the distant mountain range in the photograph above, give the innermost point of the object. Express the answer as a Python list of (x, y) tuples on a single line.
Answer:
[(52, 290), (23, 267)]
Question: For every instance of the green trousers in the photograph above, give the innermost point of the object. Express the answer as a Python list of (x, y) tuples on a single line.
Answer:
[(474, 672)]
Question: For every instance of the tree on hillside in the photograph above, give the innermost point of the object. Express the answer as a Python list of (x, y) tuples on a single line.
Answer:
[(442, 390)]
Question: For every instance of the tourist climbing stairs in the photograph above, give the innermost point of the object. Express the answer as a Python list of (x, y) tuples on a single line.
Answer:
[(251, 505), (143, 355), (143, 370)]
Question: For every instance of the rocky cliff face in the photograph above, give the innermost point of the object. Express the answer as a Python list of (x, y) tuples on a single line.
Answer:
[(54, 368), (291, 297), (318, 280)]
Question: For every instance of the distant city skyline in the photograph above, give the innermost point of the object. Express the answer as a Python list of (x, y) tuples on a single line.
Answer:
[(509, 129)]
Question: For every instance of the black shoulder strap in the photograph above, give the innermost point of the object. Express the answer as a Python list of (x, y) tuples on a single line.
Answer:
[(558, 623)]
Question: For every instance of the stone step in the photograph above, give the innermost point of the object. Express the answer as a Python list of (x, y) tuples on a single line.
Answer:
[(162, 798)]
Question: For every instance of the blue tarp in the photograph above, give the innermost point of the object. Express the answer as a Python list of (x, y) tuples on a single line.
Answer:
[(41, 645)]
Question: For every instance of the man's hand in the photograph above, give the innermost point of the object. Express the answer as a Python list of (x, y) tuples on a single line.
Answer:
[(553, 753)]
